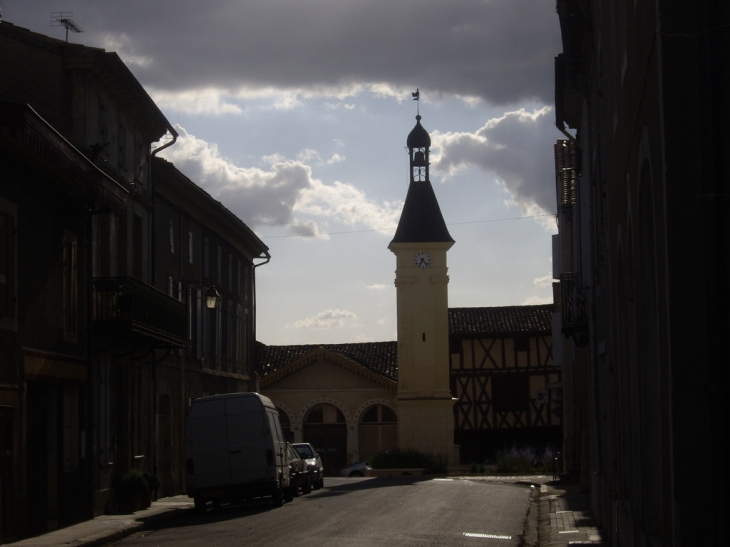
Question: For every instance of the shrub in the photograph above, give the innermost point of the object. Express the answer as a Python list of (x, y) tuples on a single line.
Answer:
[(153, 483), (410, 459), (547, 460), (476, 468), (520, 460), (134, 482), (131, 483)]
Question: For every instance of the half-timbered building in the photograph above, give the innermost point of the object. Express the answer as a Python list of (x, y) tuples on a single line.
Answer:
[(501, 372), (340, 397)]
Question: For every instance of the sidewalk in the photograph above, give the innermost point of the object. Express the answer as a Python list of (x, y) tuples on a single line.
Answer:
[(108, 528), (566, 518)]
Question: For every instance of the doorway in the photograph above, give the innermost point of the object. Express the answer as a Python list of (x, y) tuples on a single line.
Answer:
[(325, 429)]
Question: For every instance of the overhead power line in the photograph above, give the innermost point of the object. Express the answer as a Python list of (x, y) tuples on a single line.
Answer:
[(388, 229)]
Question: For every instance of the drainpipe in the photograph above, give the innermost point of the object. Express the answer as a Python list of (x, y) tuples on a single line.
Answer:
[(253, 311), (153, 265), (153, 276)]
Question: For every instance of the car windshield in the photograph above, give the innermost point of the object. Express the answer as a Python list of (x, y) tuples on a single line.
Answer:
[(305, 452)]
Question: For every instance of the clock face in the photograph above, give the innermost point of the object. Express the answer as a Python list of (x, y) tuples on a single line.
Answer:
[(422, 260)]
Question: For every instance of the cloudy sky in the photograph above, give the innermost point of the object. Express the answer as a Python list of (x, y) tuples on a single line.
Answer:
[(295, 113)]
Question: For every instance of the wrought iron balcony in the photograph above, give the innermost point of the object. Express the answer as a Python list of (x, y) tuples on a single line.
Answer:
[(125, 305), (575, 315)]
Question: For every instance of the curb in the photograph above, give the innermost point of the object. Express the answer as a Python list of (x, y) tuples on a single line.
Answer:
[(544, 533), (106, 529)]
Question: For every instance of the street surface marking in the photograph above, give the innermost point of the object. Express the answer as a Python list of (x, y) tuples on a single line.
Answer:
[(487, 536)]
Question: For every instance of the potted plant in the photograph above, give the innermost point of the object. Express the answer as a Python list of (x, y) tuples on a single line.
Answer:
[(129, 489), (153, 483)]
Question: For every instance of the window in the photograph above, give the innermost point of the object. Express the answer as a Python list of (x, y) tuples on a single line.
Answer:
[(219, 264), (7, 264), (137, 249), (510, 392), (190, 247), (206, 258), (70, 286), (172, 238), (105, 406), (230, 272), (71, 431), (379, 414), (325, 414), (122, 144), (140, 161), (103, 123), (522, 343), (238, 278)]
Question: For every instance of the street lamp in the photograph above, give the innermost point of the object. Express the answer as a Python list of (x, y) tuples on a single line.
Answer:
[(211, 298)]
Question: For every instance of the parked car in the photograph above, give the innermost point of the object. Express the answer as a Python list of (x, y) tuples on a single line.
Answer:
[(359, 469), (299, 478), (235, 450), (314, 463)]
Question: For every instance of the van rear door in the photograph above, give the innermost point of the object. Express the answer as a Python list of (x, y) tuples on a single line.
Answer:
[(247, 433), (209, 443)]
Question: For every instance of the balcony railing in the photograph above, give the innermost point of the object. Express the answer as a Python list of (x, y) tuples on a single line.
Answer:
[(125, 305), (575, 316)]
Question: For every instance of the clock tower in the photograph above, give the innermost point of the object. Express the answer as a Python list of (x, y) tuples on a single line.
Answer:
[(423, 399)]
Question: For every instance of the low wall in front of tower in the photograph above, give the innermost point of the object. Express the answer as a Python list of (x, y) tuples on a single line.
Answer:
[(427, 425)]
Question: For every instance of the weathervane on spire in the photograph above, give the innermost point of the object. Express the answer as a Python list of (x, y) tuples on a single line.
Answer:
[(417, 95)]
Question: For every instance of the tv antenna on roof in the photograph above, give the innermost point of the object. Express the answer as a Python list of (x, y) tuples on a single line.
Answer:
[(63, 19)]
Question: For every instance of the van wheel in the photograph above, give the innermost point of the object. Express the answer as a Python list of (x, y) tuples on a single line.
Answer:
[(307, 488), (200, 504), (321, 482), (289, 494), (278, 498)]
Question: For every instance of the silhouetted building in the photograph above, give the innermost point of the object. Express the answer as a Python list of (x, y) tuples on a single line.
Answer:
[(642, 258), (104, 333)]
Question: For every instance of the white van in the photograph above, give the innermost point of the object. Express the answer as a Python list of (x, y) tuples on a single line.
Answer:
[(235, 450)]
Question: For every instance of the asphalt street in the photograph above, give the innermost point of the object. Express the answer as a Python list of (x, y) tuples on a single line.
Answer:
[(362, 512)]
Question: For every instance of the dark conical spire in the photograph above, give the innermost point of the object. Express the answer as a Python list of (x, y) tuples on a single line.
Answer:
[(421, 219)]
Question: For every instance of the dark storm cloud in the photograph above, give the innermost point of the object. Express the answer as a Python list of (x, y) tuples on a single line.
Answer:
[(499, 50)]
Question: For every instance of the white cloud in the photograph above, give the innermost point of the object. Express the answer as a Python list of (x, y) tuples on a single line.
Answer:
[(377, 286), (336, 158), (347, 204), (535, 300), (313, 156), (517, 147), (542, 282), (123, 46), (279, 195), (328, 319), (195, 101)]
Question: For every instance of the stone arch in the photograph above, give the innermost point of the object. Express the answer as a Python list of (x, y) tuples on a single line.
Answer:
[(325, 400), (378, 435), (367, 404), (332, 440)]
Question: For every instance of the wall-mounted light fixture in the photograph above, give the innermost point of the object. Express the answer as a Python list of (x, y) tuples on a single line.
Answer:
[(212, 296)]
